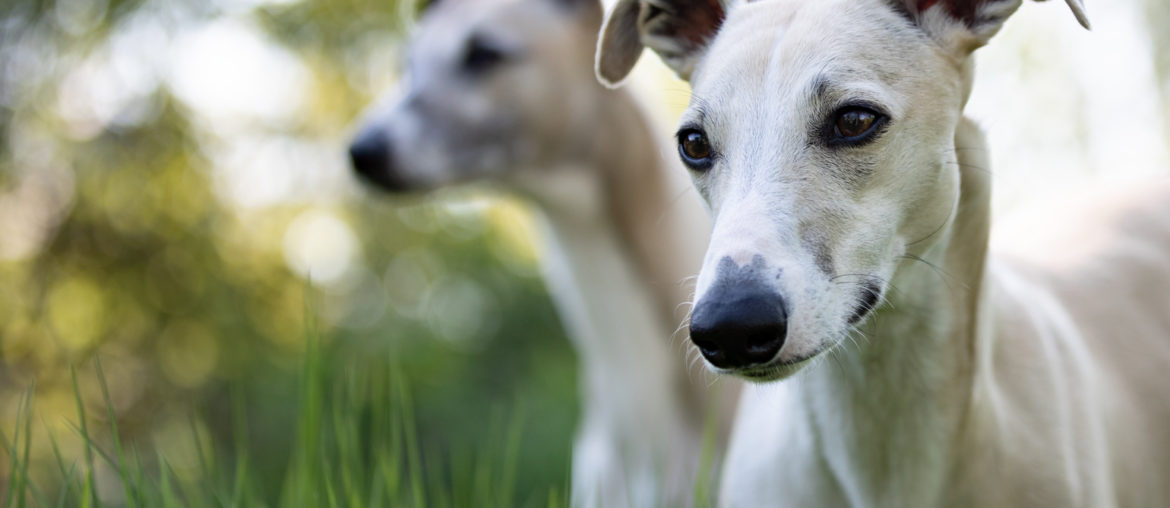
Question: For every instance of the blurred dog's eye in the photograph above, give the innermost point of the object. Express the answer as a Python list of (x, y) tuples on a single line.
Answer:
[(854, 125), (481, 56), (694, 149)]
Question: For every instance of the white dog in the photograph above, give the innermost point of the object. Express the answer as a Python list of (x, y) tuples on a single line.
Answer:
[(849, 255), (503, 91)]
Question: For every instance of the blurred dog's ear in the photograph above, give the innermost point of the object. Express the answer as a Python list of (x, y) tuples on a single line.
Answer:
[(962, 26), (678, 30)]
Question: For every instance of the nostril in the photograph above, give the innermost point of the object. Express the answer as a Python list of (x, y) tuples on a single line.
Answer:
[(762, 344), (706, 346), (708, 349)]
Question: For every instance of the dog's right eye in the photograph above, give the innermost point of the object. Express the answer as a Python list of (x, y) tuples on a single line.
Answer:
[(855, 126), (481, 56), (694, 149)]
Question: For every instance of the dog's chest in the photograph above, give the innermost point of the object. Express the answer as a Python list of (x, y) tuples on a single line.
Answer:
[(775, 458), (809, 441)]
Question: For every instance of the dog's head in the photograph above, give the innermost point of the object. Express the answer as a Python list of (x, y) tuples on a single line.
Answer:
[(821, 135), (493, 85)]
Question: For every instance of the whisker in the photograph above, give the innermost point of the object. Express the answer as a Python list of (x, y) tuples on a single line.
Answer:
[(946, 276), (864, 275)]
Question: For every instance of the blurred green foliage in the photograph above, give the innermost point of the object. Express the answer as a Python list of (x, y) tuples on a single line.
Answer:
[(171, 174)]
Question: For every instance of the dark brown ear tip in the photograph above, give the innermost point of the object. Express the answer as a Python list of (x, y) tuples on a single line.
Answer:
[(1078, 10), (1084, 21)]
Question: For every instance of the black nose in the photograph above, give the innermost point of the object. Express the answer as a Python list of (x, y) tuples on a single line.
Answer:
[(371, 156), (737, 326)]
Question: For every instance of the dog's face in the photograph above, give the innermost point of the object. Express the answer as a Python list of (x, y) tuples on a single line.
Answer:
[(821, 136), (493, 86), (823, 149)]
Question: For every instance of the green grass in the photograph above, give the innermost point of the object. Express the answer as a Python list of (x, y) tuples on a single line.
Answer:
[(356, 445)]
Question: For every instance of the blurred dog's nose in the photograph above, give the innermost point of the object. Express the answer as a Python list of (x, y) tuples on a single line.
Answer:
[(736, 326), (371, 155)]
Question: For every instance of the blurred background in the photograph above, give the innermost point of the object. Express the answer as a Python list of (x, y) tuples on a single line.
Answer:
[(175, 200)]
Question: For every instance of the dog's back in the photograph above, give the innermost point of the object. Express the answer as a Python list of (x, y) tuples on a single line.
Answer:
[(1083, 341)]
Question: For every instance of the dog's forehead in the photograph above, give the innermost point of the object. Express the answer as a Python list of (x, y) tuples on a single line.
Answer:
[(446, 27), (776, 46)]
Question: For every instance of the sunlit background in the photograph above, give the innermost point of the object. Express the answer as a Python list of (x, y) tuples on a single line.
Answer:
[(175, 200)]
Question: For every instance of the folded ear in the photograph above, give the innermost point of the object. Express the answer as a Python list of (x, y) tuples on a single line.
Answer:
[(678, 30), (962, 26)]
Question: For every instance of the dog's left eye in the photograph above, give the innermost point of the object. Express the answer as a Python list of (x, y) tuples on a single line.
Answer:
[(694, 149), (854, 125)]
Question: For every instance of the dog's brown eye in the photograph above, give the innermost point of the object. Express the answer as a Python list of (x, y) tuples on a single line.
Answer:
[(854, 123), (694, 148)]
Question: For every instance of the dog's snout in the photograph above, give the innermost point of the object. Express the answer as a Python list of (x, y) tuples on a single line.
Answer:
[(371, 156), (739, 326)]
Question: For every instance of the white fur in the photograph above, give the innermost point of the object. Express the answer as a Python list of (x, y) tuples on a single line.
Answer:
[(982, 379)]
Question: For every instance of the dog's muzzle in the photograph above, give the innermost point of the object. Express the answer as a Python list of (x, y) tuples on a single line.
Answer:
[(372, 156)]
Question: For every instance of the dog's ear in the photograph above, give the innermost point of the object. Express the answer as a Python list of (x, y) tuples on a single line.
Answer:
[(678, 30), (963, 26)]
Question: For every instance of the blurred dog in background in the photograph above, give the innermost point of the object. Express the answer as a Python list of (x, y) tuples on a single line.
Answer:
[(851, 211), (503, 91)]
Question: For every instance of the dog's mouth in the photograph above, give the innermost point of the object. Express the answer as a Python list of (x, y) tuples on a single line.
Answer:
[(775, 370)]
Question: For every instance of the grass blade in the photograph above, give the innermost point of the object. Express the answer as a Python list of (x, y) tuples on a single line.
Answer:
[(413, 457), (703, 488), (511, 456), (130, 498), (13, 481), (66, 474), (27, 435), (240, 491), (63, 497), (89, 497)]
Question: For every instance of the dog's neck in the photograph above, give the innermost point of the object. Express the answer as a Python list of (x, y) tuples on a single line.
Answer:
[(665, 226), (608, 213), (887, 410), (627, 191), (652, 203)]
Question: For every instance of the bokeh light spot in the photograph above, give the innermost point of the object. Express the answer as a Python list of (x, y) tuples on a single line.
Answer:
[(229, 70), (461, 312), (320, 246), (77, 312)]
